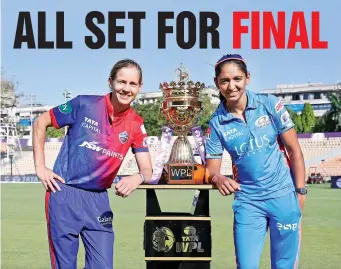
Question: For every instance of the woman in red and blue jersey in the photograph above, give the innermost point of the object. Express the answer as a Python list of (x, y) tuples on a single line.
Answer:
[(268, 167), (101, 131)]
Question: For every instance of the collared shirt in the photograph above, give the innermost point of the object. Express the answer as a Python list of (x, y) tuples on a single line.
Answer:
[(97, 140), (260, 163)]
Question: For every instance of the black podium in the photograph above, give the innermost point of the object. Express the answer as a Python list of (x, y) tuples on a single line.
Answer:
[(178, 240)]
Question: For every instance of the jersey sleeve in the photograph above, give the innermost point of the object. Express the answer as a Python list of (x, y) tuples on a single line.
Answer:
[(65, 114), (139, 143), (214, 147), (281, 116)]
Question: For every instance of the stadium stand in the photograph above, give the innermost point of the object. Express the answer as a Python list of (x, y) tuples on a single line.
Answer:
[(316, 147), (331, 167)]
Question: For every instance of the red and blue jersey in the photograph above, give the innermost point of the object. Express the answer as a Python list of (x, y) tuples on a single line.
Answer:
[(260, 164), (96, 142)]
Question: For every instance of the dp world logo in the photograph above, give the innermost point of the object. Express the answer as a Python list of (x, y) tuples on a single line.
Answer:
[(163, 239)]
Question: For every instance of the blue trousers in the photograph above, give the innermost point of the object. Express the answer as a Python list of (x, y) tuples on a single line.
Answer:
[(252, 219), (74, 212)]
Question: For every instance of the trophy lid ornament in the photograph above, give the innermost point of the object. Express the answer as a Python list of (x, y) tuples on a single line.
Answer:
[(181, 105)]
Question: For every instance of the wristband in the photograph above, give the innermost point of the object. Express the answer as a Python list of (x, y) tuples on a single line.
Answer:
[(143, 178)]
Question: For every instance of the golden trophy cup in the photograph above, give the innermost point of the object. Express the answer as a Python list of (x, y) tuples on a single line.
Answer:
[(181, 108)]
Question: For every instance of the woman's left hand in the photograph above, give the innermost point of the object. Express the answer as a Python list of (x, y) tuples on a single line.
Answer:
[(301, 200), (127, 185)]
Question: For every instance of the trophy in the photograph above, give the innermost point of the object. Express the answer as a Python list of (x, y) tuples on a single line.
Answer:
[(181, 107)]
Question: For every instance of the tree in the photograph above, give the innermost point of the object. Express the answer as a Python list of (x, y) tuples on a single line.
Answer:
[(153, 118), (308, 118), (298, 123), (9, 95), (335, 110), (324, 124), (52, 132), (331, 120), (296, 118), (207, 110)]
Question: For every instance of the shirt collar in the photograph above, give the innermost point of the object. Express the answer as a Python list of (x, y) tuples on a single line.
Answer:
[(110, 109), (251, 100), (224, 115)]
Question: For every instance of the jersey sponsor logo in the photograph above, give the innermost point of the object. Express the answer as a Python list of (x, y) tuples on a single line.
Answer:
[(123, 137), (143, 129), (286, 119), (279, 106), (208, 133), (94, 146), (91, 145), (232, 134), (91, 125), (65, 108), (106, 219), (253, 146), (262, 121), (287, 227)]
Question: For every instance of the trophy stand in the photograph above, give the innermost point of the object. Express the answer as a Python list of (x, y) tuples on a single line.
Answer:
[(178, 240)]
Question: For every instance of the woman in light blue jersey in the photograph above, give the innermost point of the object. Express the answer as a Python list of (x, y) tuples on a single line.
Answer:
[(268, 167)]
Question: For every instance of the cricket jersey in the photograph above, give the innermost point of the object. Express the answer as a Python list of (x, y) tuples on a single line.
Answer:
[(96, 142), (260, 163)]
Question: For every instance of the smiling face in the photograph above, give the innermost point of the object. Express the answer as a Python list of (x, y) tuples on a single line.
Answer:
[(125, 86), (231, 82)]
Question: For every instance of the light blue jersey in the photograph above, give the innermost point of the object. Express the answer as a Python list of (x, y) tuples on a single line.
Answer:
[(260, 164)]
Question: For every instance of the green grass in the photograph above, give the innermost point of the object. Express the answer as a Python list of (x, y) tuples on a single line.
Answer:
[(24, 240)]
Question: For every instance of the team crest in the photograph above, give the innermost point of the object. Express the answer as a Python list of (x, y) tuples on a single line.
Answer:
[(262, 121), (123, 137)]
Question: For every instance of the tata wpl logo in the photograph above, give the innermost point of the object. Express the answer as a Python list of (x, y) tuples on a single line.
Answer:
[(190, 241)]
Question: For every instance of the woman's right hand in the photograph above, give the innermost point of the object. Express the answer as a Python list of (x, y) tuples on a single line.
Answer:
[(48, 178), (225, 185)]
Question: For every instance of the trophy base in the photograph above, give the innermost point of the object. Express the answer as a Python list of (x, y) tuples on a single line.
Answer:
[(185, 173)]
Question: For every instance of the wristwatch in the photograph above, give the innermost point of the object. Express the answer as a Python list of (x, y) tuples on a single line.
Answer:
[(302, 191)]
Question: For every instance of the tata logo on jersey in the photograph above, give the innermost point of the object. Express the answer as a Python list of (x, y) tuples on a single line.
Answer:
[(91, 125), (254, 145), (94, 146), (232, 134)]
